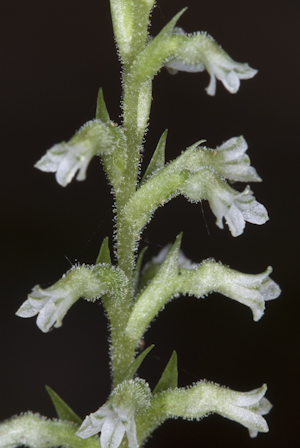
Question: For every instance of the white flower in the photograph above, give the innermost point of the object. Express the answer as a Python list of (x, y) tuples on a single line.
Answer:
[(236, 208), (183, 261), (204, 398), (198, 51), (229, 160), (254, 291), (250, 290), (113, 423), (224, 201), (65, 160), (262, 407), (245, 408), (116, 417), (89, 282), (226, 70), (235, 164), (50, 304), (152, 267)]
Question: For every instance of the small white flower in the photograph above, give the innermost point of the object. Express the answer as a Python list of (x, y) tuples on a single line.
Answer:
[(245, 408), (235, 164), (204, 398), (262, 407), (229, 160), (248, 289), (89, 282), (222, 67), (116, 417), (161, 256), (183, 261), (224, 201), (199, 51), (236, 208), (65, 160), (50, 304), (113, 423)]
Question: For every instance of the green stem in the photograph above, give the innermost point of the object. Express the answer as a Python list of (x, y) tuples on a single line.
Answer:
[(136, 109), (123, 350)]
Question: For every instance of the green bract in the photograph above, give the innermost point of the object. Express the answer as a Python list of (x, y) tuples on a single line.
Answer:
[(134, 292)]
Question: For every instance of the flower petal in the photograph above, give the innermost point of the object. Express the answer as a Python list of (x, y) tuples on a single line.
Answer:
[(27, 310), (48, 317), (112, 432), (88, 429)]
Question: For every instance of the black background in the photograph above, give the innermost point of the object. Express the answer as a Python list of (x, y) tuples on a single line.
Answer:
[(55, 56)]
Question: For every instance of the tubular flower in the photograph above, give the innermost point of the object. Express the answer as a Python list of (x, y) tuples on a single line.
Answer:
[(199, 51), (116, 417), (204, 398), (51, 304), (65, 159), (248, 289), (237, 208), (224, 201), (232, 161)]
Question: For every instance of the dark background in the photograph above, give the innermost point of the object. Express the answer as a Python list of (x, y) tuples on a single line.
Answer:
[(55, 56)]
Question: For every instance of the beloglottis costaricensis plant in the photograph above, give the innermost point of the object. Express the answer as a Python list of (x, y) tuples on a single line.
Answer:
[(134, 292)]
